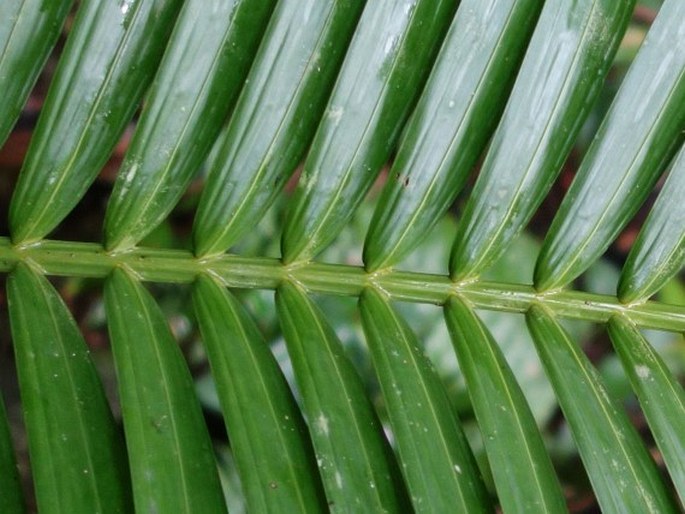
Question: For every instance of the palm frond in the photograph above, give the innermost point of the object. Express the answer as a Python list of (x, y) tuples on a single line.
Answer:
[(239, 93)]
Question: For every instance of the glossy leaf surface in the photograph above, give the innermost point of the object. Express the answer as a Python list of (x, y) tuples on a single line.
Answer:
[(562, 74), (659, 251), (275, 117), (439, 469), (383, 73), (451, 124), (201, 74), (661, 396), (28, 31), (621, 471), (355, 460), (277, 469), (637, 138), (170, 453), (77, 451), (111, 54), (524, 476)]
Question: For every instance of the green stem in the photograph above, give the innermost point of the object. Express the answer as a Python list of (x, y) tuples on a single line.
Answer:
[(66, 258)]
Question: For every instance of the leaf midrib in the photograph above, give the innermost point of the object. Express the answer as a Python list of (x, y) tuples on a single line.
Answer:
[(90, 260)]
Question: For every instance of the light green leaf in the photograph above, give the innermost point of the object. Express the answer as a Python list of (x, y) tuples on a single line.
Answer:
[(200, 76), (621, 471), (385, 67), (77, 452), (170, 454), (524, 476), (111, 54), (357, 466), (661, 396), (277, 469), (275, 117), (560, 78), (28, 31), (439, 469), (638, 137)]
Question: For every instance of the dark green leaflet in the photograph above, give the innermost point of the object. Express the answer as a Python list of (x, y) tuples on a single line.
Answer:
[(638, 136), (170, 453), (661, 396), (112, 53), (277, 470), (275, 117), (28, 31), (198, 81), (659, 250), (77, 450), (620, 469), (355, 461), (384, 70), (562, 74), (451, 124), (524, 476), (438, 466)]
